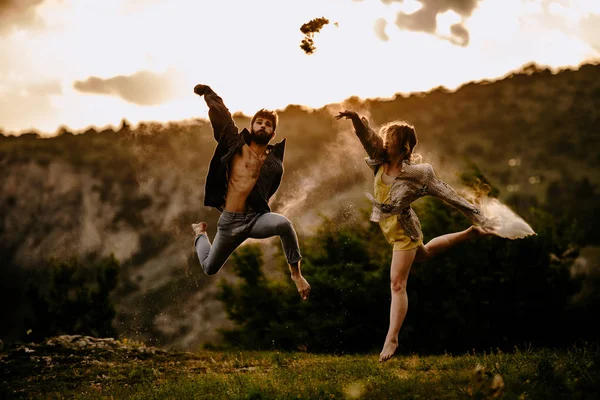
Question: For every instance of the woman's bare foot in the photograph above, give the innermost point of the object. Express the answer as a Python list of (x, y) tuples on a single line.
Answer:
[(302, 285), (199, 228), (389, 348)]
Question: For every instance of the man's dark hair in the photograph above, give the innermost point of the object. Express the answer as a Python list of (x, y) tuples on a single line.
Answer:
[(267, 114)]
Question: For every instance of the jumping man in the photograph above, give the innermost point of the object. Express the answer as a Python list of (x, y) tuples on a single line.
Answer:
[(244, 172)]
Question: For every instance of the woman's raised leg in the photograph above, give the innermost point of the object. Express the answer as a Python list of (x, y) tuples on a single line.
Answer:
[(442, 243)]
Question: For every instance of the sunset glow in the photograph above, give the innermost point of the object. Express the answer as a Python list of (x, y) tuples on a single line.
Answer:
[(146, 56)]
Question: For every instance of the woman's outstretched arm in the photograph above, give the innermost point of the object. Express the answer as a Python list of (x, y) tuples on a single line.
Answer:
[(371, 141), (440, 189)]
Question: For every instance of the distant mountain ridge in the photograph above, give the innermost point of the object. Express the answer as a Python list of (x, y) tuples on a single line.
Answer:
[(134, 192)]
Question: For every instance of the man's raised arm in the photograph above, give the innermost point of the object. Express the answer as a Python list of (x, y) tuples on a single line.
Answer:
[(219, 115)]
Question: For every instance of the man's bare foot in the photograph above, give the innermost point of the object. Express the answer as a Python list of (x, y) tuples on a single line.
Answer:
[(389, 348), (302, 285), (199, 228)]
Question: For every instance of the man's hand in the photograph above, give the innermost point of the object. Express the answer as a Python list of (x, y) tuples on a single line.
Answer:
[(346, 114), (201, 90)]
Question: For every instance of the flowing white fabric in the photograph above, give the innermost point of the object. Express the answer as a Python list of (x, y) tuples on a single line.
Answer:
[(504, 221)]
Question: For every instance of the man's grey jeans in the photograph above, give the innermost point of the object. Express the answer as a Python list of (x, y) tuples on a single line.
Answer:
[(235, 227)]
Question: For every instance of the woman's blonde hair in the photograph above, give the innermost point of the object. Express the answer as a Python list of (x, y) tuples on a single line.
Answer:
[(402, 134)]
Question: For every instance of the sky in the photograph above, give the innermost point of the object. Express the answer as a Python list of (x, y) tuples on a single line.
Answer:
[(82, 63)]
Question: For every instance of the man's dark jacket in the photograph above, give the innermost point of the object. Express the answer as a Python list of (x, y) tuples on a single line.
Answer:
[(229, 142)]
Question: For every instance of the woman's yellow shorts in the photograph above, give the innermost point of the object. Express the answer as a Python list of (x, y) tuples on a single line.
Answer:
[(390, 226), (395, 235)]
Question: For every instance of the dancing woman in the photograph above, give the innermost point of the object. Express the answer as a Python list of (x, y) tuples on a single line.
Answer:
[(399, 181)]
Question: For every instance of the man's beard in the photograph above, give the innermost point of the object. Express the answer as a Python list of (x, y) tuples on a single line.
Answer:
[(260, 137)]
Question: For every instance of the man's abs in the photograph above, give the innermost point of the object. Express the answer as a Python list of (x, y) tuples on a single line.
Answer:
[(243, 173)]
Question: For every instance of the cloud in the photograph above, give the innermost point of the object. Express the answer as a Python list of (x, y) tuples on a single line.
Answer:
[(14, 13), (31, 103), (425, 18), (460, 35), (143, 88), (590, 27), (581, 20), (309, 29), (380, 25), (47, 88)]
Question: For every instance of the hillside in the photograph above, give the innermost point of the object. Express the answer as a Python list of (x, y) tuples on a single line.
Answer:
[(134, 191)]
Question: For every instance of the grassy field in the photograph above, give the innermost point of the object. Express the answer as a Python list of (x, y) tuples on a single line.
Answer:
[(88, 368)]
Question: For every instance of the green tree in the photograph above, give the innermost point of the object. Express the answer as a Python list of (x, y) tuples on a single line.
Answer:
[(486, 293), (492, 292), (347, 286), (73, 297)]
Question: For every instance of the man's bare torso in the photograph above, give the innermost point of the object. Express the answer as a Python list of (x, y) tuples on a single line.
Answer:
[(244, 171)]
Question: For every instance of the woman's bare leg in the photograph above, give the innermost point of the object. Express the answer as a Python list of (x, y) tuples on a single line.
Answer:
[(442, 243), (400, 268)]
